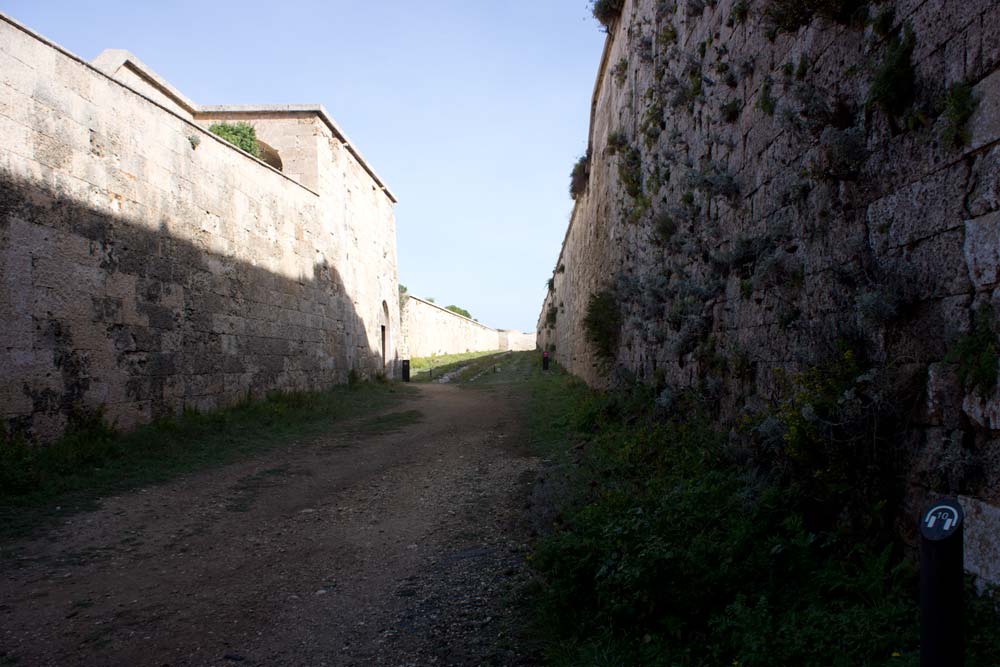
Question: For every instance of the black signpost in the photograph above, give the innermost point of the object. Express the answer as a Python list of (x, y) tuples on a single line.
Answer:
[(942, 643)]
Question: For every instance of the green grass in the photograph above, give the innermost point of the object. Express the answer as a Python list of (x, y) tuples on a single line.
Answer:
[(42, 484), (420, 367), (673, 547)]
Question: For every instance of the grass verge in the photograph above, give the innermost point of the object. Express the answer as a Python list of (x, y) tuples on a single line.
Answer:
[(92, 461), (421, 367), (674, 548)]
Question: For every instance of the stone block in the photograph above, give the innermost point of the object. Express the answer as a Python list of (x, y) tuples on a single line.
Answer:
[(982, 540), (944, 396), (982, 250), (984, 126)]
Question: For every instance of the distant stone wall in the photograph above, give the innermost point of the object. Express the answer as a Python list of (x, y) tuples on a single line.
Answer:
[(516, 341), (146, 266), (429, 329), (749, 205)]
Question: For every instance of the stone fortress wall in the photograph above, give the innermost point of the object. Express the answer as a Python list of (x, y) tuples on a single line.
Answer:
[(429, 329), (517, 341), (148, 266), (746, 201)]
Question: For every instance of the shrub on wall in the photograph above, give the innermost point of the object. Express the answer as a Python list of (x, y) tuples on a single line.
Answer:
[(894, 85), (242, 135), (959, 104), (790, 15), (606, 11), (551, 315), (580, 176), (976, 354), (461, 311), (602, 323)]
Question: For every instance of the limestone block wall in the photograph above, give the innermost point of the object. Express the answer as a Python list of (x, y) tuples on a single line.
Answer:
[(750, 199), (148, 266), (429, 329), (517, 341)]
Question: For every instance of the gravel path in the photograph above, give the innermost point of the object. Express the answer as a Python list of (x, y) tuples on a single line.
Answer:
[(401, 548)]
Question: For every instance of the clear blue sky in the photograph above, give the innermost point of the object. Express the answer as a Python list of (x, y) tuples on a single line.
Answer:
[(473, 111)]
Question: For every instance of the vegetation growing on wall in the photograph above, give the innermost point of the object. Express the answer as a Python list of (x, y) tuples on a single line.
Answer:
[(739, 13), (620, 71), (607, 11), (766, 101), (976, 353), (460, 311), (242, 135), (894, 85), (580, 176), (730, 111), (684, 545), (790, 15), (959, 105), (832, 443), (602, 323), (551, 315), (630, 171)]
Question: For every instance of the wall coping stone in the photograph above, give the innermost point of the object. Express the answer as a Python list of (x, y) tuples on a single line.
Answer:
[(453, 313)]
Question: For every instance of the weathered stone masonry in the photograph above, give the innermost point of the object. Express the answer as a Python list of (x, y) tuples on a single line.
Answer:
[(743, 191), (429, 329), (148, 266)]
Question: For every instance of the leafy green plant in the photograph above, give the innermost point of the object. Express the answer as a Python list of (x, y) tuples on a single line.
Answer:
[(790, 15), (730, 111), (884, 20), (630, 171), (803, 67), (607, 11), (620, 71), (976, 353), (664, 226), (617, 142), (602, 324), (894, 86), (667, 34), (459, 311), (242, 135), (739, 14), (715, 181), (580, 176), (959, 105), (551, 315), (766, 101)]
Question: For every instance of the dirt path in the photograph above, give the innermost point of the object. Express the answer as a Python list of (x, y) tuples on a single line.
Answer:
[(396, 548)]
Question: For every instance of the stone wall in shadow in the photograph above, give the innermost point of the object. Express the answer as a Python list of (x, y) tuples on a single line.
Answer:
[(100, 312)]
